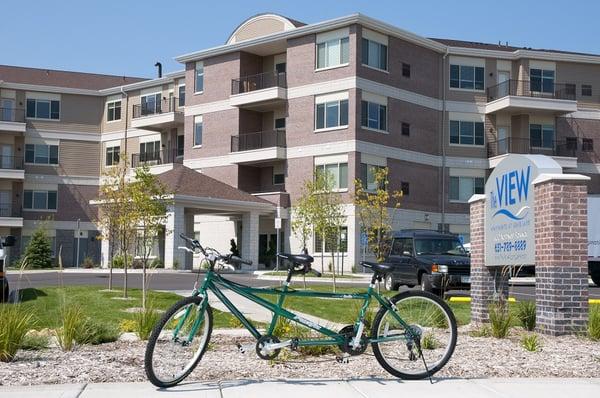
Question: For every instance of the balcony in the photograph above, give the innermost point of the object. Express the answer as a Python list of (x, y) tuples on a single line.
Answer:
[(564, 152), (157, 115), (10, 217), (12, 119), (162, 157), (258, 92), (258, 147), (11, 167), (516, 96)]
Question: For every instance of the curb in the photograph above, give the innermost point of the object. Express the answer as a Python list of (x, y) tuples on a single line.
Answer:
[(510, 300)]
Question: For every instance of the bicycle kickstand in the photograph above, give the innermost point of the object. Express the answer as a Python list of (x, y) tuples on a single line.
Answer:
[(424, 362)]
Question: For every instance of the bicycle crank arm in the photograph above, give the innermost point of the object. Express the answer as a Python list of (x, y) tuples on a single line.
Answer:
[(270, 347)]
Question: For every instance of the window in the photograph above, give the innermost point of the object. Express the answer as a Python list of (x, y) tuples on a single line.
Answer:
[(149, 151), (180, 144), (541, 136), (405, 129), (337, 172), (278, 178), (405, 70), (332, 114), (586, 90), (332, 53), (336, 242), (280, 123), (405, 188), (113, 111), (466, 133), (151, 104), (467, 77), (368, 176), (199, 77), (43, 109), (181, 93), (198, 131), (41, 154), (39, 200), (587, 145), (570, 90), (571, 143), (401, 246), (541, 81), (112, 155), (462, 188), (374, 54), (373, 115)]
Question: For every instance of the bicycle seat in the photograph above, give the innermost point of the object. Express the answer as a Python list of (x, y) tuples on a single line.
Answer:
[(297, 258), (378, 268)]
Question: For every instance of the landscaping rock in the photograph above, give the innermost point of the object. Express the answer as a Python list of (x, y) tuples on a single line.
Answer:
[(129, 337)]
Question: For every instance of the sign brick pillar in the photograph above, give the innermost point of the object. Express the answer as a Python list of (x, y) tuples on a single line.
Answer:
[(487, 283), (561, 286)]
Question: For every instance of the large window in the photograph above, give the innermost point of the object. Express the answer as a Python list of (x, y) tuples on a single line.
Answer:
[(374, 54), (112, 155), (39, 200), (467, 77), (43, 109), (41, 154), (199, 77), (198, 131), (541, 135), (331, 114), (541, 80), (181, 93), (337, 173), (334, 52), (466, 133), (586, 90), (462, 188), (149, 151), (335, 242), (367, 176), (150, 104), (373, 115), (113, 111)]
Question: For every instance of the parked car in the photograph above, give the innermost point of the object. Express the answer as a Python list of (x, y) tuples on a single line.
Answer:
[(4, 288), (431, 259)]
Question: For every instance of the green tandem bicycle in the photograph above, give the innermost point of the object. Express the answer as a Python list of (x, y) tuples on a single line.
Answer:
[(412, 336)]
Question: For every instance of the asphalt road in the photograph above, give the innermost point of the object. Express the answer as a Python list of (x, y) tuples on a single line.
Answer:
[(185, 280)]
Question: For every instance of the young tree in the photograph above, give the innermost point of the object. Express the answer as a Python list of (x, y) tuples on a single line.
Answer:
[(38, 252), (150, 198), (376, 209)]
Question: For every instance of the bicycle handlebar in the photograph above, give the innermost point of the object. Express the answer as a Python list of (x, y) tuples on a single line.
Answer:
[(230, 259)]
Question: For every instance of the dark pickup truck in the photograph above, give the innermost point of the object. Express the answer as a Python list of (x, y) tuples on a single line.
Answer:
[(431, 259)]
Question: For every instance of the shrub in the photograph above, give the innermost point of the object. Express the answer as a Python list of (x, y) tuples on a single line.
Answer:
[(145, 321), (38, 253), (14, 323), (482, 331), (500, 319), (233, 248), (88, 262), (526, 314), (119, 261), (128, 325), (531, 342), (72, 320), (594, 323), (157, 263), (429, 342), (94, 333), (285, 329), (35, 340)]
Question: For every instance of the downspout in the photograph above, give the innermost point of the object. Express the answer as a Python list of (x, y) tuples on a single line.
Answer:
[(444, 137), (126, 118)]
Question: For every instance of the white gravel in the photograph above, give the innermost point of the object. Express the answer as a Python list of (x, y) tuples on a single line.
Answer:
[(566, 356)]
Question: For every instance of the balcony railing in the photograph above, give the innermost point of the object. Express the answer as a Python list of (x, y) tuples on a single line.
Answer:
[(12, 115), (7, 210), (156, 158), (155, 108), (250, 83), (534, 147), (11, 162), (524, 88), (260, 140)]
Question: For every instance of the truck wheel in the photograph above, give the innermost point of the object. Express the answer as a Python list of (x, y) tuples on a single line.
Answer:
[(596, 278), (427, 287), (389, 283)]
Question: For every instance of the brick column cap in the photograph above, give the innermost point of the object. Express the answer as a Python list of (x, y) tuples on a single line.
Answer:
[(559, 177), (476, 198)]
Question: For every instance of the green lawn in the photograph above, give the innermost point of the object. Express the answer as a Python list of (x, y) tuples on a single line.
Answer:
[(46, 304)]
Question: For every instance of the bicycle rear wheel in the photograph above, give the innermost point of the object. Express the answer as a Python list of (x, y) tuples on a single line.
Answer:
[(423, 349), (173, 349)]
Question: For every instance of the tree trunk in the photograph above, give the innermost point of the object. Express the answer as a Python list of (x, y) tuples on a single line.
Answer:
[(144, 285), (124, 273), (333, 270)]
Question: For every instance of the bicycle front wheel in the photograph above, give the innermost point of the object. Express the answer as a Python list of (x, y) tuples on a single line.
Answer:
[(178, 342), (424, 344)]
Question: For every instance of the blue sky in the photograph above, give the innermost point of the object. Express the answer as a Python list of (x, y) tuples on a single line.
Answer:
[(127, 37)]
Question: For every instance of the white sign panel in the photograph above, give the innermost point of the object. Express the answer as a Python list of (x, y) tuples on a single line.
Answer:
[(509, 209), (594, 227), (277, 223)]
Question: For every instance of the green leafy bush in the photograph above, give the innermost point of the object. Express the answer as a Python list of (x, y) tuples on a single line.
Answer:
[(38, 253), (88, 262), (96, 333), (119, 261), (145, 321), (500, 319), (128, 325), (526, 314), (531, 342), (157, 263), (35, 340), (14, 323), (594, 323)]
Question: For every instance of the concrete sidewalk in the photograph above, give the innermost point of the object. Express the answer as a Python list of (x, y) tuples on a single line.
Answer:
[(316, 388)]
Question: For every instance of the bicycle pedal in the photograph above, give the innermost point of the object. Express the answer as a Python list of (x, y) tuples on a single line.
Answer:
[(342, 359), (243, 349)]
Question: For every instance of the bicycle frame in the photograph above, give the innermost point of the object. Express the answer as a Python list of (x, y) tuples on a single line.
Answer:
[(214, 282)]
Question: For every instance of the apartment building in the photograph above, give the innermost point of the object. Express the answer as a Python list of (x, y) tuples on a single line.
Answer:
[(255, 117)]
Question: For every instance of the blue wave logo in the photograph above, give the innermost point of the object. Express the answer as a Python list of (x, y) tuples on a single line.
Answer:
[(521, 214)]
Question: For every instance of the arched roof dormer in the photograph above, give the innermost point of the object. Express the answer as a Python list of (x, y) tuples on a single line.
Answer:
[(262, 25)]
